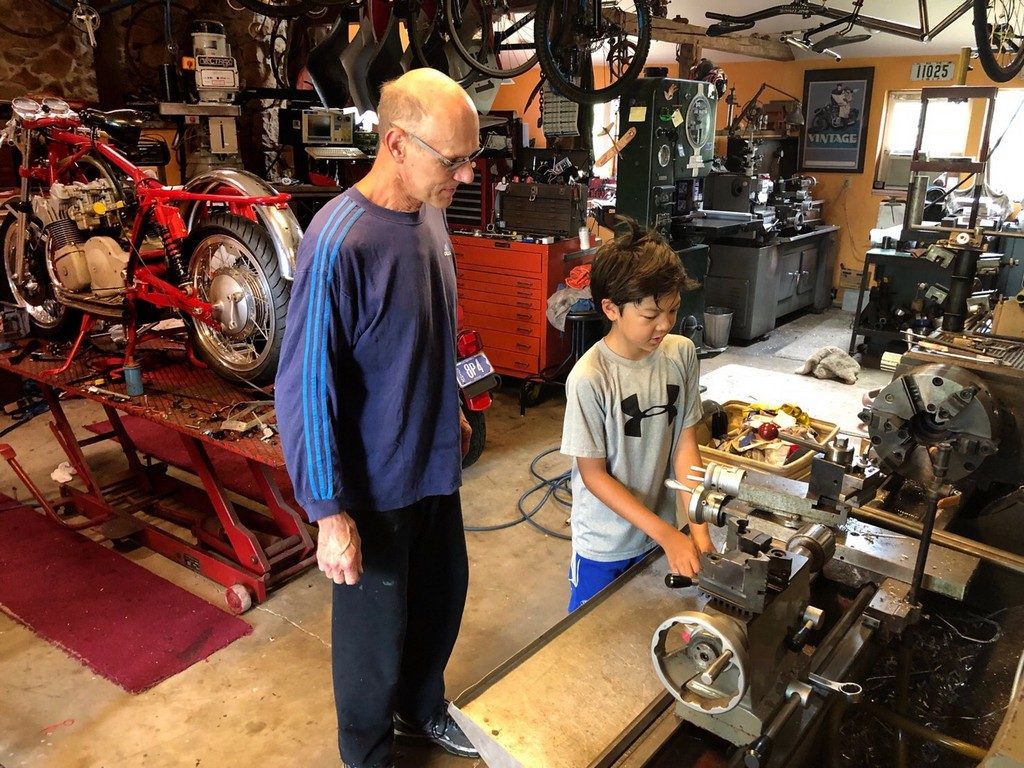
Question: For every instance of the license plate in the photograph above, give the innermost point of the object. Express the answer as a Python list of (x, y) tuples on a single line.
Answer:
[(473, 369)]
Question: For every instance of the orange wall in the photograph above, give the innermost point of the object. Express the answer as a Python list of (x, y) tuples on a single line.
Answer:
[(854, 208)]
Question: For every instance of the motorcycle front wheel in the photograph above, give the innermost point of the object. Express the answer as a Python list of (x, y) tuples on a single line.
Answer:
[(232, 265), (48, 317)]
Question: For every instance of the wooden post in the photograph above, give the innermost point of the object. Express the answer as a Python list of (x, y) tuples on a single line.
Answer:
[(687, 55), (963, 65)]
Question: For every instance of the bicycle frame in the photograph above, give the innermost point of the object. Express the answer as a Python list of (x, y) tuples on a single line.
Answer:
[(66, 146), (923, 32)]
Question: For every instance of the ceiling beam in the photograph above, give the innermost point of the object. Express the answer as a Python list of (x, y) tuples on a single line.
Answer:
[(679, 32)]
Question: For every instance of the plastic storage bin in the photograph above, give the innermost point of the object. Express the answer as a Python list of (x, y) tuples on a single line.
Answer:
[(795, 470)]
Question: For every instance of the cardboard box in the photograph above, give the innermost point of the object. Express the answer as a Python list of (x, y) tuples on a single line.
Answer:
[(849, 278), (1008, 319)]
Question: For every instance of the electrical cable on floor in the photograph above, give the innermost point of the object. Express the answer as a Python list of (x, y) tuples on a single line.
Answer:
[(28, 412), (556, 488)]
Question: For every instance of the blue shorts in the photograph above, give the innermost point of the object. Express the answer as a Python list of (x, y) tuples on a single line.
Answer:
[(588, 577)]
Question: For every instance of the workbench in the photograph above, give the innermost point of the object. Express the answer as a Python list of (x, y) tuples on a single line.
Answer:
[(760, 284), (247, 548)]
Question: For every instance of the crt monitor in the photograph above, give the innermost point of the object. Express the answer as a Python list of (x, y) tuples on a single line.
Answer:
[(326, 126)]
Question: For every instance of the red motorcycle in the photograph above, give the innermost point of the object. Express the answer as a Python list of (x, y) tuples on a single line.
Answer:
[(92, 234)]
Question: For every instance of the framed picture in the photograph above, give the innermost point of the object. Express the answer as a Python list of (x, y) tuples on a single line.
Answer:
[(837, 104)]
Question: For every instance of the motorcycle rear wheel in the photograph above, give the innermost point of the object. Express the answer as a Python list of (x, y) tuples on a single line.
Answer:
[(478, 421), (230, 256), (48, 317)]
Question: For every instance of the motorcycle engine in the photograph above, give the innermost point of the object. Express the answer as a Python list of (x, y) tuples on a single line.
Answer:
[(89, 204), (77, 264)]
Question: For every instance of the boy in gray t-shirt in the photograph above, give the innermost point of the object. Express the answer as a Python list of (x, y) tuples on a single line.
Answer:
[(632, 404)]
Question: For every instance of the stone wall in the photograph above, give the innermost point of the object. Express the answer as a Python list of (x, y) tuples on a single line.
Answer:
[(54, 61)]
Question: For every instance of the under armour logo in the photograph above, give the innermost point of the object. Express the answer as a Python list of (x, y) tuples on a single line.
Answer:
[(631, 407)]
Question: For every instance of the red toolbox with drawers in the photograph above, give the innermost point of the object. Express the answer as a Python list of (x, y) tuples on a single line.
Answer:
[(504, 286)]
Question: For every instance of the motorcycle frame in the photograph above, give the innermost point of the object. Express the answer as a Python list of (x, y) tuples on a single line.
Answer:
[(66, 146)]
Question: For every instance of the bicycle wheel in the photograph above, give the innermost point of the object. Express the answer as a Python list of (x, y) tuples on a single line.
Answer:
[(431, 46), (999, 32), (571, 39), (495, 37)]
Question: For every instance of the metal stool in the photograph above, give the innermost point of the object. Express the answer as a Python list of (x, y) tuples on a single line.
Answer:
[(580, 341)]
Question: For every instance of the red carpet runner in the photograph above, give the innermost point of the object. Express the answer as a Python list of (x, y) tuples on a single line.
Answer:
[(122, 621)]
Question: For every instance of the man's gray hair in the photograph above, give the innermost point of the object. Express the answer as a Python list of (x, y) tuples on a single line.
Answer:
[(398, 105)]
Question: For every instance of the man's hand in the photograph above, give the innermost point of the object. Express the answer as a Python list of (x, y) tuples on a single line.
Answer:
[(339, 551), (681, 554), (467, 432)]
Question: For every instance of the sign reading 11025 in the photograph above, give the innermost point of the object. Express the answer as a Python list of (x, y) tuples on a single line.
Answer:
[(931, 70)]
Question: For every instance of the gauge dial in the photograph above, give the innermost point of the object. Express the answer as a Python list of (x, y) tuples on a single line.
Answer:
[(699, 120)]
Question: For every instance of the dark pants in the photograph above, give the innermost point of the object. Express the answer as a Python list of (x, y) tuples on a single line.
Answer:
[(393, 632)]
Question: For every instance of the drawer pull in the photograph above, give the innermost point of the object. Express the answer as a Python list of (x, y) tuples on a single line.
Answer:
[(524, 295), (523, 346), (524, 284), (521, 364), (523, 316), (522, 304), (525, 331)]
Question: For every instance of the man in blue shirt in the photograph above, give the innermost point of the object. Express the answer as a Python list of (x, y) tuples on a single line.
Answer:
[(373, 435)]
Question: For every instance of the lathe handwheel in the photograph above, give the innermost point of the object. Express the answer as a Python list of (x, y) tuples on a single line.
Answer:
[(702, 660)]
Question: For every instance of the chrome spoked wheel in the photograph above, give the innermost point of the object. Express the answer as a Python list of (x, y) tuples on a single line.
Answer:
[(233, 266), (35, 291)]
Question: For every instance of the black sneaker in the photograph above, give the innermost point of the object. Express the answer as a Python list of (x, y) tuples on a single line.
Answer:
[(442, 730)]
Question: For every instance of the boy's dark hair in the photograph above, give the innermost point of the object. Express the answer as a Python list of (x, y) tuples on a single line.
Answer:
[(638, 263)]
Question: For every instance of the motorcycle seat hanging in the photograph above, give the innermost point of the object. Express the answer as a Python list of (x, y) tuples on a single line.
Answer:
[(123, 126)]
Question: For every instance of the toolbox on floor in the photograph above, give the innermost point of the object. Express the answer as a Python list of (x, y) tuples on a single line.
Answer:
[(795, 470), (542, 209)]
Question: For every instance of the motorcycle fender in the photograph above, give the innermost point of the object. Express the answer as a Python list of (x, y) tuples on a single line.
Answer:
[(284, 229)]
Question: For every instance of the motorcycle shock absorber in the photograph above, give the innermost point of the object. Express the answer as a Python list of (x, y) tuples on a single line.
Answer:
[(175, 259), (172, 233)]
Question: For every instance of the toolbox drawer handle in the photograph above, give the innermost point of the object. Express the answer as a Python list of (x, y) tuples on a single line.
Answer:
[(523, 346), (524, 284), (522, 304), (523, 316), (523, 294), (500, 244), (526, 331), (521, 364)]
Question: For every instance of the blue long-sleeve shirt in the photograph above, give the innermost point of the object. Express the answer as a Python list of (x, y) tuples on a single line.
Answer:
[(366, 395)]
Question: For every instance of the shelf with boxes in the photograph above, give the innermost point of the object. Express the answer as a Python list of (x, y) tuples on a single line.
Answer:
[(504, 286)]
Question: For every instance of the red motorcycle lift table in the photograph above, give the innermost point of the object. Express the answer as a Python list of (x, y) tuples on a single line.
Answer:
[(247, 549)]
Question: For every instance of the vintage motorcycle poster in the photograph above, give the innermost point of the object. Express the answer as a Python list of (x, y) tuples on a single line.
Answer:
[(836, 108)]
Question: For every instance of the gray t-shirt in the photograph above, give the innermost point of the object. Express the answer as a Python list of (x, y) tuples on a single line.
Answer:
[(630, 412)]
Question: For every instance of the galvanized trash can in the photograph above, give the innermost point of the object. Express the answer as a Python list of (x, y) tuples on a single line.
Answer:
[(717, 324)]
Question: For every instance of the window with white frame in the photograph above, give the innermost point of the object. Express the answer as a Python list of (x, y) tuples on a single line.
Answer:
[(1005, 170), (945, 135)]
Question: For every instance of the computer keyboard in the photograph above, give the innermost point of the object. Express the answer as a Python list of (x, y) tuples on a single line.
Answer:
[(335, 153)]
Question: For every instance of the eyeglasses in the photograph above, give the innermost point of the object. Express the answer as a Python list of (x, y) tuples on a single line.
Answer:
[(450, 165)]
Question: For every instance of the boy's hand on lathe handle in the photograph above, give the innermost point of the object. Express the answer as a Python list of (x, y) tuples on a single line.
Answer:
[(681, 553)]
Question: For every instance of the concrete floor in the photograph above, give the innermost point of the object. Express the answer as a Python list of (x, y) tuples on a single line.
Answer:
[(266, 699)]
